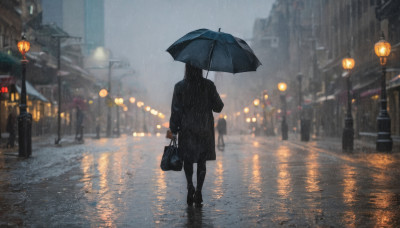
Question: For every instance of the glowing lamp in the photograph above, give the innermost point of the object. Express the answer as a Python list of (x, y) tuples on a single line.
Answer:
[(246, 110), (119, 100), (382, 49), (103, 93), (282, 86), (256, 102), (348, 63), (23, 46), (132, 100)]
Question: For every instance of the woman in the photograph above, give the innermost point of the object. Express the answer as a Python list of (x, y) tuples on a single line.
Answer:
[(194, 100)]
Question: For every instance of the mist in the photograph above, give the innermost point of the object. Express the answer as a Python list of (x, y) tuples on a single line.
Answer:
[(142, 30)]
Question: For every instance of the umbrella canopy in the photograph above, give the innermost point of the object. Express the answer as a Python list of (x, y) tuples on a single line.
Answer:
[(214, 51)]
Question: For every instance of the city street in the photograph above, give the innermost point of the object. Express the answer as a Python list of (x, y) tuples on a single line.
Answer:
[(255, 182)]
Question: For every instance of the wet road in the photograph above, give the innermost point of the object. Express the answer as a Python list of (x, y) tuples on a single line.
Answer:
[(255, 182)]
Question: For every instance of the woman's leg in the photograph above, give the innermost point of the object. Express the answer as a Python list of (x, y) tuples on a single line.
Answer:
[(188, 167), (201, 174)]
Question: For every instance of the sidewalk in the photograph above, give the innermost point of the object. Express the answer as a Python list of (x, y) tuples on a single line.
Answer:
[(37, 142), (334, 144)]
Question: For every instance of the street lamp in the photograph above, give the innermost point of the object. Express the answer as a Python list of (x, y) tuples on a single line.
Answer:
[(384, 141), (348, 131), (256, 102), (246, 110), (110, 64), (24, 118), (102, 93), (118, 101), (304, 121), (59, 74), (284, 127), (267, 122)]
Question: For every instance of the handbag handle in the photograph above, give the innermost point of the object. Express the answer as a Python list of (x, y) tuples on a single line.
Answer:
[(173, 141)]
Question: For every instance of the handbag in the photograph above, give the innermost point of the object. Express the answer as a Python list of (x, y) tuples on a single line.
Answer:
[(171, 159)]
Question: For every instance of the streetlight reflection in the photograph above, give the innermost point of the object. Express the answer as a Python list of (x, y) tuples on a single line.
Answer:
[(105, 207), (219, 180), (284, 179)]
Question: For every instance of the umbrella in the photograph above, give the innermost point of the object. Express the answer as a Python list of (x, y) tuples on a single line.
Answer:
[(215, 51)]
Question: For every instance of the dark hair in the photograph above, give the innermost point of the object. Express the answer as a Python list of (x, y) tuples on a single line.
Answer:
[(193, 73)]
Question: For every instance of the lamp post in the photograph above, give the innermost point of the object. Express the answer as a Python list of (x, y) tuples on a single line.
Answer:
[(146, 109), (348, 131), (24, 118), (102, 93), (110, 64), (132, 100), (59, 37), (118, 101), (256, 103), (384, 141), (246, 110), (139, 104), (284, 127)]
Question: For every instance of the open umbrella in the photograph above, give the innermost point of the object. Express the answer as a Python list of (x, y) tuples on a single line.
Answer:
[(214, 51)]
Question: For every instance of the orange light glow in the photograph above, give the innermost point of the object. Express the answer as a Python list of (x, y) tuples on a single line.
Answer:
[(23, 46), (348, 63), (282, 86), (103, 93)]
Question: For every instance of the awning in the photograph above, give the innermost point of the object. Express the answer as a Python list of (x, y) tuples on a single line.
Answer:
[(326, 98), (33, 94), (8, 63), (394, 82), (370, 92)]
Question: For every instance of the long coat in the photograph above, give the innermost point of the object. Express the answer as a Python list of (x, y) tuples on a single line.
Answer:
[(192, 119)]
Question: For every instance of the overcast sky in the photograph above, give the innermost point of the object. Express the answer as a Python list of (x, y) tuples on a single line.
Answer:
[(141, 30)]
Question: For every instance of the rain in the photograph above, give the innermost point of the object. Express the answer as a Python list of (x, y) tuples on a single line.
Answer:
[(212, 113)]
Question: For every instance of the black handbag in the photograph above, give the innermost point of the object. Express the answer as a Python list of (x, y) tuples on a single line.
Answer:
[(171, 159)]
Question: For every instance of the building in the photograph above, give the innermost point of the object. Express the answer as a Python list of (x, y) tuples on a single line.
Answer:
[(315, 37), (86, 21)]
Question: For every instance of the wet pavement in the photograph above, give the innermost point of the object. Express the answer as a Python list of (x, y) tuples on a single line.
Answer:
[(255, 182)]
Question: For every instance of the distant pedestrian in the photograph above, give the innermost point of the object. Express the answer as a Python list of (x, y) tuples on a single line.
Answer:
[(11, 128), (221, 128), (79, 124), (193, 101)]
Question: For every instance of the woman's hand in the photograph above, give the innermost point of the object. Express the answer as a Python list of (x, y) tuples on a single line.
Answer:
[(170, 135)]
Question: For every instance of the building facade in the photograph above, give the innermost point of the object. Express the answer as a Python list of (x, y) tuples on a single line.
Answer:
[(315, 37)]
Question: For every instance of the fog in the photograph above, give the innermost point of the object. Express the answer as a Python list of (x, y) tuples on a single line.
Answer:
[(142, 30)]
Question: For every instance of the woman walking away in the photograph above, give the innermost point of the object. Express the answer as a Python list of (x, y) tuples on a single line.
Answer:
[(194, 100)]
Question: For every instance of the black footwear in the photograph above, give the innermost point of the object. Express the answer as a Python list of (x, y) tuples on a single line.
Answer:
[(198, 198), (190, 196)]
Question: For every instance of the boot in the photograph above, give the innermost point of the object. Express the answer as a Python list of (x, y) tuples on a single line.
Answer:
[(190, 194), (198, 198)]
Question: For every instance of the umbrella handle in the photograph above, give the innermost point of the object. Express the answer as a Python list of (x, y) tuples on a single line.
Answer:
[(210, 57), (211, 52)]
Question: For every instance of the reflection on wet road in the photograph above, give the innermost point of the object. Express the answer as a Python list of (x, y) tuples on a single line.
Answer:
[(255, 182)]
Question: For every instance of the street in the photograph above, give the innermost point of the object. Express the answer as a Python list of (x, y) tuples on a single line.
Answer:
[(255, 182)]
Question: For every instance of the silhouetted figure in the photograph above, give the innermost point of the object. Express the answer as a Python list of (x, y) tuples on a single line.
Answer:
[(194, 100), (11, 128), (221, 128), (79, 126)]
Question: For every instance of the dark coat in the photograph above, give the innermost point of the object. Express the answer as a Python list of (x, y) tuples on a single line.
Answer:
[(221, 126), (191, 117)]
